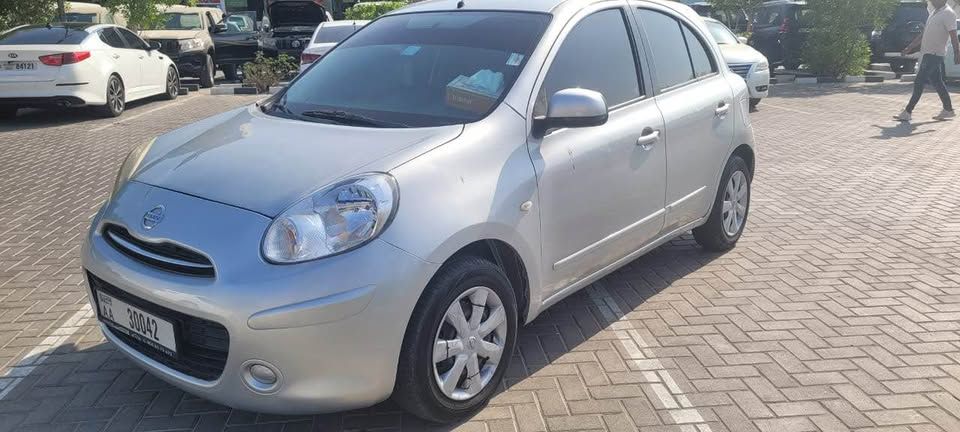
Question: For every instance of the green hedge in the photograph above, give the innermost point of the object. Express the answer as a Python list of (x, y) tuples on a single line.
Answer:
[(369, 11)]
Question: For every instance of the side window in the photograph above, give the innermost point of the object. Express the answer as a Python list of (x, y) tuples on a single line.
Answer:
[(211, 23), (703, 63), (610, 70), (110, 37), (133, 41), (668, 47)]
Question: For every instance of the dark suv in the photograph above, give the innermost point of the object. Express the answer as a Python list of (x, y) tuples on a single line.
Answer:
[(289, 25), (779, 32), (887, 43)]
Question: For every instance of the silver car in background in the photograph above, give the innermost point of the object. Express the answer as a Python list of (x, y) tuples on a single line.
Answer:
[(386, 224)]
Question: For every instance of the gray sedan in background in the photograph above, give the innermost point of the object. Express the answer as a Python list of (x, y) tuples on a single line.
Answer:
[(385, 224)]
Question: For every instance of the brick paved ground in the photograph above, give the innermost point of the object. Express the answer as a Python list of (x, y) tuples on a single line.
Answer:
[(840, 308)]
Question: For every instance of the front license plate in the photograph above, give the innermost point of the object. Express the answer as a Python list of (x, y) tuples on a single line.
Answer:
[(136, 323), (19, 66)]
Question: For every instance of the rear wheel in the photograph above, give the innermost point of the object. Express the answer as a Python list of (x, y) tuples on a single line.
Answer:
[(729, 215), (172, 84), (229, 72), (8, 112), (206, 75), (458, 342), (753, 103), (116, 98)]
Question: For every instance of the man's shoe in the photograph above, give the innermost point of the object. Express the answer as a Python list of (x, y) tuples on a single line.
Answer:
[(904, 116), (945, 115)]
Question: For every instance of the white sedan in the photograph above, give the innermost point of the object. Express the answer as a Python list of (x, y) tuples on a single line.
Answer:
[(327, 35), (742, 59), (69, 65)]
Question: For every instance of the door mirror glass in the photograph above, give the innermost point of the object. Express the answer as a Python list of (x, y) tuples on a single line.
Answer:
[(219, 28), (572, 108), (154, 45)]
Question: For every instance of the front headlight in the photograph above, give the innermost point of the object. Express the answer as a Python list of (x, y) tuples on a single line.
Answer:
[(191, 44), (130, 165), (334, 220), (762, 66)]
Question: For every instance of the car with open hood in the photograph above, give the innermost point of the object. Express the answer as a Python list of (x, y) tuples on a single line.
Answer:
[(186, 35), (289, 24), (387, 222)]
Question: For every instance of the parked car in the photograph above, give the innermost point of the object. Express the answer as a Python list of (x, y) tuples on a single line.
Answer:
[(289, 24), (327, 36), (432, 183), (951, 69), (236, 45), (103, 66), (780, 32), (186, 35), (743, 60), (91, 13), (733, 20), (887, 43)]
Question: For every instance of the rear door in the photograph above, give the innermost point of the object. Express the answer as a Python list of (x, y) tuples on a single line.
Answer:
[(21, 49), (126, 62), (697, 106)]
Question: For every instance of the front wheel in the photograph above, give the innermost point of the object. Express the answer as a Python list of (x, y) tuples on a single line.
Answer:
[(753, 103), (229, 72), (172, 84), (8, 112), (206, 75), (729, 215), (458, 342)]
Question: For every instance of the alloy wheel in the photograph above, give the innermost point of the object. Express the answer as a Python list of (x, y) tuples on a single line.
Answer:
[(469, 343), (735, 202), (115, 95), (173, 82)]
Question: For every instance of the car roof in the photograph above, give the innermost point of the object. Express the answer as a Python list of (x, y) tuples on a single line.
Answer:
[(543, 6), (188, 9), (82, 7), (344, 23), (784, 2)]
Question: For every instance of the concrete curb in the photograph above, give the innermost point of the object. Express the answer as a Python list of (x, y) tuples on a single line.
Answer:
[(828, 80)]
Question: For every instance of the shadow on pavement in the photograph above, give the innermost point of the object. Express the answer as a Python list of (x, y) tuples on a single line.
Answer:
[(36, 118), (902, 130), (94, 387)]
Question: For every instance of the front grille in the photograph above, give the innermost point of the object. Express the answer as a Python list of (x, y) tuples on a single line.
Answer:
[(289, 43), (170, 47), (202, 345), (742, 69), (163, 255)]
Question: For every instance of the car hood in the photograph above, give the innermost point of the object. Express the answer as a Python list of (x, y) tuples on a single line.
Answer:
[(170, 34), (266, 164), (292, 13), (740, 53)]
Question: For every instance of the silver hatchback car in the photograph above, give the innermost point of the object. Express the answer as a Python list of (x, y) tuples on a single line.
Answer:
[(386, 224)]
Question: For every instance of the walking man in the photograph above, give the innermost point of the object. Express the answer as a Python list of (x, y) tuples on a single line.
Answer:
[(941, 27)]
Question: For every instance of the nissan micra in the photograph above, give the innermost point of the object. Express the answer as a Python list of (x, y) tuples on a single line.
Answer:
[(385, 224)]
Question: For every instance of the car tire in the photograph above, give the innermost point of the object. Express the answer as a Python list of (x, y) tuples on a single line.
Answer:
[(116, 98), (229, 72), (463, 282), (206, 75), (753, 103), (172, 84), (730, 208), (8, 112)]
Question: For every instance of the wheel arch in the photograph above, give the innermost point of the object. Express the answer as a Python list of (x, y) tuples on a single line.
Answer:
[(509, 260), (746, 152)]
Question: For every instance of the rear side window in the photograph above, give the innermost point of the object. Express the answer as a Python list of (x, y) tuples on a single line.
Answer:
[(133, 41), (610, 70), (335, 34), (669, 49), (41, 35), (110, 37), (699, 54)]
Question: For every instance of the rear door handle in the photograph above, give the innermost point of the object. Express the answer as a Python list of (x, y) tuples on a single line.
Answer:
[(116, 56), (722, 109), (648, 139)]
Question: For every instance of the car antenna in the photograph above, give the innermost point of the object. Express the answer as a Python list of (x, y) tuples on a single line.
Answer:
[(460, 4)]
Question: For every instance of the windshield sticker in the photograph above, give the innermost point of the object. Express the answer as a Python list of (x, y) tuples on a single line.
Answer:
[(515, 59), (411, 50)]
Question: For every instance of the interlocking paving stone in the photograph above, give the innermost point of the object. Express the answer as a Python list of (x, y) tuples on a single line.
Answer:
[(839, 309)]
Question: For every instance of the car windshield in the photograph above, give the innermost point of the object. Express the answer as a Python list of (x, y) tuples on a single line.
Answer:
[(722, 34), (335, 34), (910, 12), (417, 70), (43, 35), (181, 21), (80, 17)]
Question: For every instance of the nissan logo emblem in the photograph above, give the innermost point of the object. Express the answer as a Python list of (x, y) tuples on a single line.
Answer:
[(12, 55), (153, 217)]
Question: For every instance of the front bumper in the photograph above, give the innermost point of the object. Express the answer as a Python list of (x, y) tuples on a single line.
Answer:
[(190, 64), (758, 83), (332, 328)]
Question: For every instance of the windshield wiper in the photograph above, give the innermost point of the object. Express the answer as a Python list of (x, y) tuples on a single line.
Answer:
[(350, 119)]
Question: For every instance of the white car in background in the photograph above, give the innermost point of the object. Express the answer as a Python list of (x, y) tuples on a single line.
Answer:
[(73, 64), (91, 13), (742, 59), (327, 36)]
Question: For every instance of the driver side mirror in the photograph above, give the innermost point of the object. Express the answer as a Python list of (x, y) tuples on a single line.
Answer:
[(154, 45), (219, 28), (742, 39), (572, 108)]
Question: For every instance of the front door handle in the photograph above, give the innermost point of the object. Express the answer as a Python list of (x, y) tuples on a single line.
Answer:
[(116, 56), (648, 139), (722, 109)]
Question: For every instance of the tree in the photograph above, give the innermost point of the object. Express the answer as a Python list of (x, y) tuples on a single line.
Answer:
[(369, 11), (837, 44), (19, 12), (748, 8)]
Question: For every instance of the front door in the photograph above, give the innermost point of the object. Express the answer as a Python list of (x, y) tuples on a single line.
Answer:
[(152, 73), (601, 188), (698, 108)]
